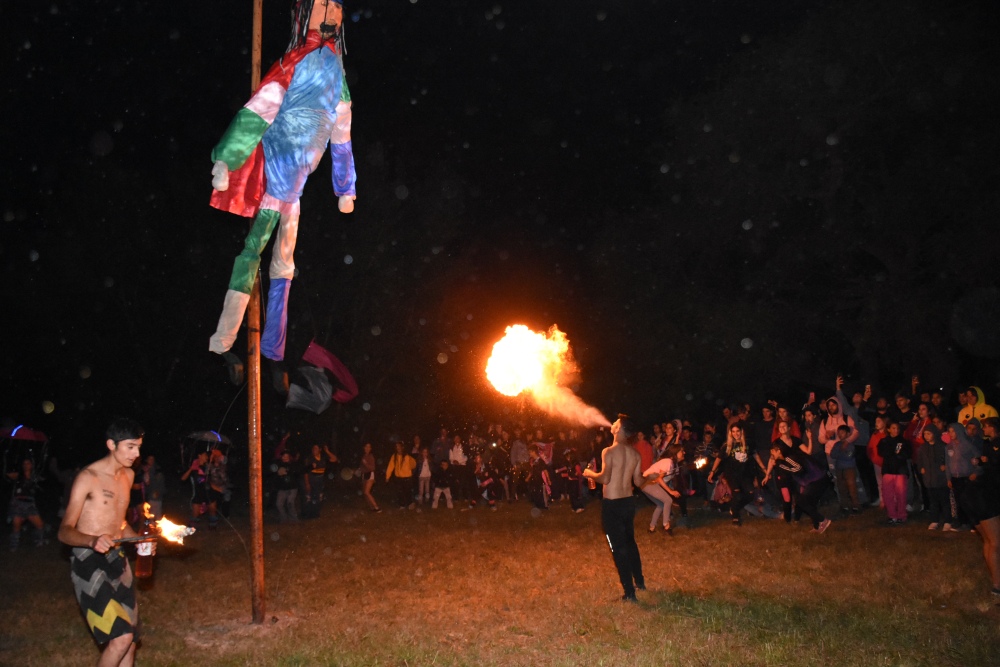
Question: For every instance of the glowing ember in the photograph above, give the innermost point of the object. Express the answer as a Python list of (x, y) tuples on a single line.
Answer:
[(540, 364), (145, 511), (700, 463), (172, 532)]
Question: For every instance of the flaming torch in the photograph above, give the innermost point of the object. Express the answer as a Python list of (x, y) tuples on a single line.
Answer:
[(540, 364), (151, 530)]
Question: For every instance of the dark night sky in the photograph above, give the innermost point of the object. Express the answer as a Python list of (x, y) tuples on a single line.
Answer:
[(667, 182)]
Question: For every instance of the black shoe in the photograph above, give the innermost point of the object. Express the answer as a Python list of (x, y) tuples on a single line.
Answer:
[(630, 598)]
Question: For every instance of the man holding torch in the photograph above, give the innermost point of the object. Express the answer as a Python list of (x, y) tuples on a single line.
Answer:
[(94, 525), (621, 469)]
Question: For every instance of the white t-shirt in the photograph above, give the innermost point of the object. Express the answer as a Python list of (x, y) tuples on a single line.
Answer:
[(663, 467)]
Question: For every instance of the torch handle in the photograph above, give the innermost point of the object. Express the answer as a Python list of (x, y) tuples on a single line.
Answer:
[(135, 540)]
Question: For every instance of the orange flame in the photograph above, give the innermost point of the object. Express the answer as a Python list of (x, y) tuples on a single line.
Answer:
[(145, 511), (541, 364), (173, 532)]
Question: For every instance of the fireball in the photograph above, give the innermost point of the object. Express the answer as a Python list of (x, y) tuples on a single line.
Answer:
[(524, 359)]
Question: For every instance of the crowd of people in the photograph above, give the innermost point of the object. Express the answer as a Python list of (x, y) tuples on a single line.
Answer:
[(913, 456)]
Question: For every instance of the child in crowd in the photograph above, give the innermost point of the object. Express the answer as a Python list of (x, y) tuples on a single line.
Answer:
[(932, 461), (845, 467), (425, 469), (895, 453), (442, 480)]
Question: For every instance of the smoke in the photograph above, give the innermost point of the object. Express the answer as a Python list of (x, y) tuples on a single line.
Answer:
[(561, 402), (543, 366)]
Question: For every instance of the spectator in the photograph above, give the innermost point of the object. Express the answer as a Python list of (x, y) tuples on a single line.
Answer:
[(881, 431), (975, 406), (441, 447), (23, 505), (442, 481), (896, 454), (287, 485), (963, 457), (425, 469), (367, 472), (399, 474), (487, 482), (810, 479), (198, 474), (538, 479), (737, 461), (655, 488), (314, 470), (982, 500), (933, 466), (845, 468), (459, 466), (154, 486)]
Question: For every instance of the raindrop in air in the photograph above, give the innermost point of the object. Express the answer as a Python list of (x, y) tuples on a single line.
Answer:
[(48, 407), (747, 225), (443, 358), (402, 192), (664, 168), (33, 255), (84, 372), (746, 343), (376, 330), (366, 406), (348, 259)]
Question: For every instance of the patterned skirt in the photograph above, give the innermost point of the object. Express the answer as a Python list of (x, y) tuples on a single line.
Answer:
[(104, 588)]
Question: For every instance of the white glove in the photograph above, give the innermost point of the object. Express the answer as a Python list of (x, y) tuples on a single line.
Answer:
[(220, 176), (346, 203)]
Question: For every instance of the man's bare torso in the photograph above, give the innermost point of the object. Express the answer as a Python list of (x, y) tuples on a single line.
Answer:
[(621, 464), (106, 500)]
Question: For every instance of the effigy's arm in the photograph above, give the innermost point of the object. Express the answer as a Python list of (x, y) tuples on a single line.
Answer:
[(342, 154), (247, 128)]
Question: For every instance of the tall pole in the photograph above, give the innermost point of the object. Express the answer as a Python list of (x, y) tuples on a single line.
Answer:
[(253, 393)]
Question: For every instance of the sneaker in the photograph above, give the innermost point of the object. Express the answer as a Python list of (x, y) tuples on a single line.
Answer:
[(948, 528), (933, 526), (824, 524), (578, 510), (378, 510), (669, 530)]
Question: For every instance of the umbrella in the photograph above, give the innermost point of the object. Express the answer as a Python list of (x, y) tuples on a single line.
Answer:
[(209, 436), (23, 432)]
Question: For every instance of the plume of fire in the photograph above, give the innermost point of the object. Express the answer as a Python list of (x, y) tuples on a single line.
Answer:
[(172, 532), (542, 365)]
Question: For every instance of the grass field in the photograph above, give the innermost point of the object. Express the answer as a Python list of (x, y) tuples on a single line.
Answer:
[(513, 587)]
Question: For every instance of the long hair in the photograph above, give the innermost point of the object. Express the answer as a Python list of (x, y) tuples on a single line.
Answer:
[(301, 11), (729, 436)]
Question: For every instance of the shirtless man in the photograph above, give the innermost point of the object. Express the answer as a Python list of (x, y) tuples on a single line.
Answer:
[(94, 519), (621, 469)]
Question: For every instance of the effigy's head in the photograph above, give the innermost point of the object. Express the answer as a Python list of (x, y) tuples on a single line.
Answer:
[(324, 16)]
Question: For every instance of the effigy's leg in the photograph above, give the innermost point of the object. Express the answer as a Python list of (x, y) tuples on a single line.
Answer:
[(241, 281), (272, 342)]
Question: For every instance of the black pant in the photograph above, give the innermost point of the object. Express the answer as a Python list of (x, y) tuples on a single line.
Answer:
[(866, 471), (807, 500), (958, 485), (618, 519)]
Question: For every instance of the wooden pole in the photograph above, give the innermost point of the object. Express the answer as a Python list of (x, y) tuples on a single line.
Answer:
[(253, 388)]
